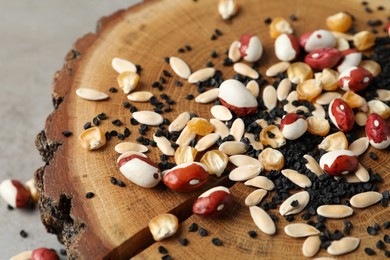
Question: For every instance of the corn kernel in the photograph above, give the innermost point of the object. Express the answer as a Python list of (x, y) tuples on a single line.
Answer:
[(340, 22)]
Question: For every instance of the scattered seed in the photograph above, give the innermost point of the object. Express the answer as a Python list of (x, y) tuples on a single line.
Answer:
[(262, 220), (297, 178), (162, 250), (301, 198), (380, 245), (140, 96), (245, 70), (359, 146), (343, 246), (277, 68), (369, 251), (148, 118), (242, 160), (334, 211), (234, 53), (164, 145), (313, 165), (300, 230), (183, 241), (185, 137), (122, 65), (365, 199), (193, 227), (216, 241), (261, 182), (255, 197), (203, 232), (245, 172), (311, 246), (89, 195), (373, 156), (67, 133), (130, 146), (91, 94), (201, 75), (23, 234), (180, 67), (207, 96), (233, 147)]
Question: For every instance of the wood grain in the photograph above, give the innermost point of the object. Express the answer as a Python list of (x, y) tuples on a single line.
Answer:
[(113, 225)]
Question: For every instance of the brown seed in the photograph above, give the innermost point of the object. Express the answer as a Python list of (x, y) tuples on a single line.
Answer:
[(260, 182), (311, 246), (284, 89), (208, 96), (164, 145), (255, 197), (297, 178), (201, 75), (246, 172), (180, 122), (271, 159), (269, 97), (234, 52), (334, 211), (365, 199), (180, 67), (262, 220), (220, 128), (253, 87), (303, 199), (245, 70), (140, 96), (359, 146), (233, 147), (216, 162), (343, 246), (130, 146), (279, 67), (221, 113), (185, 154), (148, 117), (238, 128), (300, 230), (91, 94), (206, 142), (313, 165)]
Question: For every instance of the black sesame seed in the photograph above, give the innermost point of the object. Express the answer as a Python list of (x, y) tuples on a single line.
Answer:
[(227, 62), (87, 125), (368, 10), (380, 245), (116, 122), (63, 252), (113, 133), (380, 8), (121, 137), (121, 184), (252, 233), (126, 104), (102, 116), (387, 253), (376, 227), (152, 143), (371, 230), (218, 32), (113, 180), (213, 37), (156, 84), (386, 225), (127, 132), (167, 74), (386, 238), (166, 59), (166, 257), (162, 250), (268, 20), (162, 80), (133, 121), (294, 203), (66, 133), (216, 241), (373, 156), (178, 83), (193, 227), (203, 232), (293, 17), (23, 233), (89, 195), (181, 50), (214, 54), (188, 48), (270, 134), (364, 3), (183, 241), (9, 207), (190, 97), (374, 23), (369, 251), (113, 90), (209, 64)]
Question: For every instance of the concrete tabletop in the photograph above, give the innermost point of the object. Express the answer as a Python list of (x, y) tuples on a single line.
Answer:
[(35, 35)]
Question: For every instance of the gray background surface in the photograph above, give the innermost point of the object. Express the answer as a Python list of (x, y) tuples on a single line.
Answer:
[(35, 35)]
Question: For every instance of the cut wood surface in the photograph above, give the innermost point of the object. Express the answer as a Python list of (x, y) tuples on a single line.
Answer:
[(114, 224)]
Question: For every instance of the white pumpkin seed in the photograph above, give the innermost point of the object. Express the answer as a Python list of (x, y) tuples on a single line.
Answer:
[(313, 165), (246, 172), (361, 118), (148, 117), (327, 97), (350, 178), (343, 246), (122, 65), (180, 122), (261, 182), (283, 89), (207, 141), (185, 137), (164, 145), (130, 146), (297, 178), (300, 230), (140, 96), (242, 160), (255, 197), (238, 128), (253, 87), (279, 67), (234, 52), (383, 94), (91, 94), (359, 146), (334, 211), (220, 128), (201, 75), (216, 162), (25, 255), (362, 174), (233, 147), (311, 246), (208, 96), (365, 199), (180, 67), (303, 199), (262, 220), (252, 141), (221, 113), (342, 44), (245, 70), (319, 111), (269, 97)]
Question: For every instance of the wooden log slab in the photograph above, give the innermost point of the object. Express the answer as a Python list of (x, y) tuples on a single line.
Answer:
[(114, 223)]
